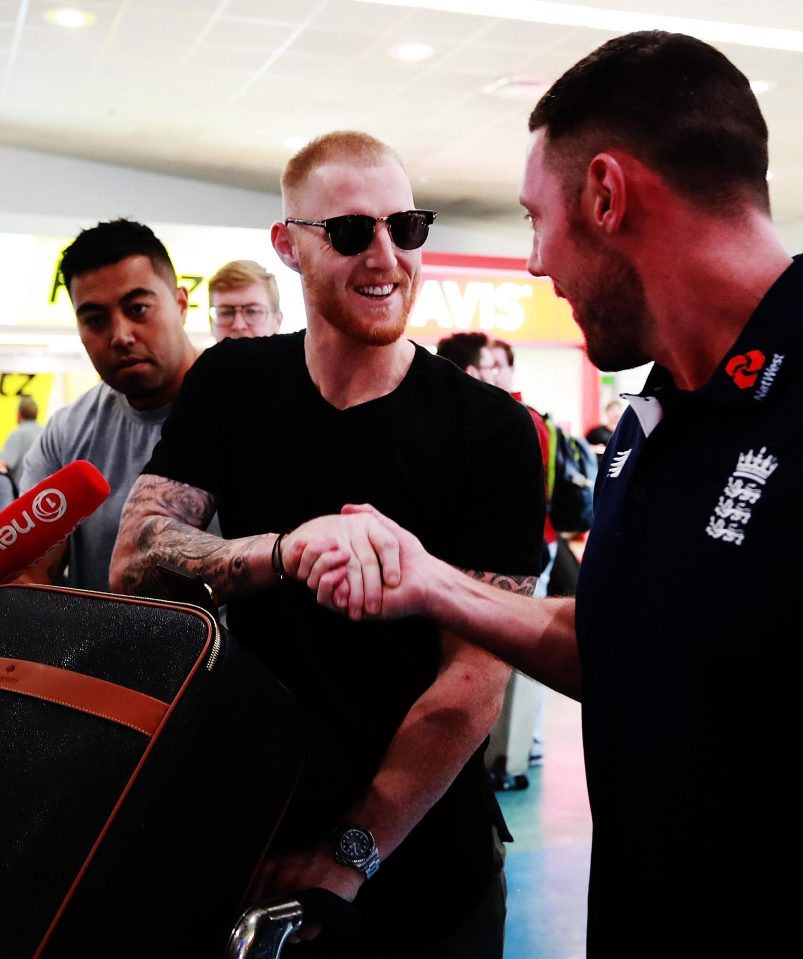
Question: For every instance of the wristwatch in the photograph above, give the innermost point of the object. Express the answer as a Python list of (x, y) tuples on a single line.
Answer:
[(356, 847)]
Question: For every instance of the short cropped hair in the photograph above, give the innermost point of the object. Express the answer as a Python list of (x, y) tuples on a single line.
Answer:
[(672, 101), (463, 349), (338, 146), (112, 241), (28, 408), (506, 348), (240, 273)]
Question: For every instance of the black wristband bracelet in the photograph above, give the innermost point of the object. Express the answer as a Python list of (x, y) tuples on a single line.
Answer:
[(276, 557)]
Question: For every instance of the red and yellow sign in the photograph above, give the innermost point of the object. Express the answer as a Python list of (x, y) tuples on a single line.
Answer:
[(492, 295)]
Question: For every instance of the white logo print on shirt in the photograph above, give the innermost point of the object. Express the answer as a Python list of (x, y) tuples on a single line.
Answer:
[(618, 462), (742, 491)]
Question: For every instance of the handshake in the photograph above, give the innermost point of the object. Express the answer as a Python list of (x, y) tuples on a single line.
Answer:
[(361, 563)]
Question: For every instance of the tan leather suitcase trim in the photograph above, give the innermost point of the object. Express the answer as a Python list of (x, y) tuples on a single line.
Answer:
[(118, 704)]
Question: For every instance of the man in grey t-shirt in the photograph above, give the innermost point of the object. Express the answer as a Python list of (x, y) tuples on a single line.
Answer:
[(131, 312)]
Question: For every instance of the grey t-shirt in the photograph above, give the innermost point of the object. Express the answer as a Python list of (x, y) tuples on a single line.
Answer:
[(103, 428), (18, 442)]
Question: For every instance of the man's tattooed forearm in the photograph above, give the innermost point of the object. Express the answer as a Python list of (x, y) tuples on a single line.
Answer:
[(186, 504), (514, 584), (225, 567), (164, 521)]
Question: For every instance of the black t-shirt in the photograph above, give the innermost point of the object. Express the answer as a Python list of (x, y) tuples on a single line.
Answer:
[(452, 459), (599, 435)]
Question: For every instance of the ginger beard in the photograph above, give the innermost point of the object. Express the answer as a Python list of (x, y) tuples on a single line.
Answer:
[(377, 323)]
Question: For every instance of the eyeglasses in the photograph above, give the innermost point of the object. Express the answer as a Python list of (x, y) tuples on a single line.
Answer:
[(352, 234), (253, 314)]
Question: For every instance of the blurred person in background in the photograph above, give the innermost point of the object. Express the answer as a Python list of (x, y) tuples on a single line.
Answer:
[(505, 360), (599, 435), (19, 440), (471, 352), (243, 301)]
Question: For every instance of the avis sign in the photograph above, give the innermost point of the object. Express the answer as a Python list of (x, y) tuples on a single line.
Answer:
[(493, 295)]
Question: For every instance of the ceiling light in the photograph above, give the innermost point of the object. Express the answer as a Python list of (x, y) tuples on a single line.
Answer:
[(761, 86), (411, 52), (613, 21), (70, 17)]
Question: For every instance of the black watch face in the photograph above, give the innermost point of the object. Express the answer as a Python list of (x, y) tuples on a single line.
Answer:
[(355, 844)]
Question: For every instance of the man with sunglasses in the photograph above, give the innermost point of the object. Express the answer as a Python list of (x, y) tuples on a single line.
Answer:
[(395, 808), (243, 301)]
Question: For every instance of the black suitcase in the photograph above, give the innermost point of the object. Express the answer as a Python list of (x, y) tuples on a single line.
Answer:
[(147, 760)]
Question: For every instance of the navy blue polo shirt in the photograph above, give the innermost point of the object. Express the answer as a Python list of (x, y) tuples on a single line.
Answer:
[(689, 630)]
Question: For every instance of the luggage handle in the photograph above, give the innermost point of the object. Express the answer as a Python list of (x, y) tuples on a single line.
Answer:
[(263, 929), (174, 583)]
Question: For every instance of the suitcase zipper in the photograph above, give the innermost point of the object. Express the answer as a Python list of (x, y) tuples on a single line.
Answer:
[(215, 651), (217, 642)]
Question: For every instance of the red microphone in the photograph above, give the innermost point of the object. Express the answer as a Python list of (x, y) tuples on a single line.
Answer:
[(47, 514)]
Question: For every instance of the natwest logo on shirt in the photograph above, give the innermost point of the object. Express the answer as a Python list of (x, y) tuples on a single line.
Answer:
[(744, 369)]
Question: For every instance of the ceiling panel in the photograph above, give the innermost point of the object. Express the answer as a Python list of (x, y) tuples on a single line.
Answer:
[(214, 88)]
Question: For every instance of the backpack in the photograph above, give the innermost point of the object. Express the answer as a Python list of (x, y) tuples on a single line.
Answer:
[(571, 472)]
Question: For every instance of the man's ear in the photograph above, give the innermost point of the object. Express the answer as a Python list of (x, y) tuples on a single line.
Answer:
[(283, 244), (183, 300), (604, 199)]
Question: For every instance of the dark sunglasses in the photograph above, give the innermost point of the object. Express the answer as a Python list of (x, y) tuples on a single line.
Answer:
[(352, 234)]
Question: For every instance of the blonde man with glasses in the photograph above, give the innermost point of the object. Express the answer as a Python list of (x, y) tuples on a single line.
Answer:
[(243, 301)]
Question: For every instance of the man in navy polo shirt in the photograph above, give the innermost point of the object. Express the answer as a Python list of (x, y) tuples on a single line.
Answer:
[(646, 187)]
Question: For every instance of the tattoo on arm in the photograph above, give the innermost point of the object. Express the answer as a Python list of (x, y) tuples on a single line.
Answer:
[(155, 495), (513, 584), (164, 520)]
